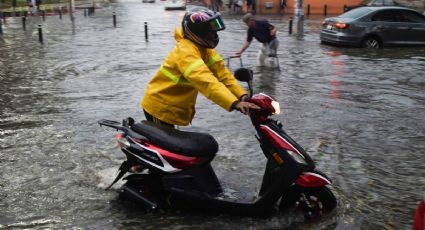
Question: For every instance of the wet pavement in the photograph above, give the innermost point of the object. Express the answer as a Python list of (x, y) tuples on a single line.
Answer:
[(359, 113)]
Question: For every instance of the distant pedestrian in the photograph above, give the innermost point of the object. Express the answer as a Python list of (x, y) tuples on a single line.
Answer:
[(237, 5), (263, 32), (282, 6), (248, 5), (32, 6), (253, 8), (38, 3)]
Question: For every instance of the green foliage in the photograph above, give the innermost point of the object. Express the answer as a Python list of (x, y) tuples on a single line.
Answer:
[(23, 3), (8, 3)]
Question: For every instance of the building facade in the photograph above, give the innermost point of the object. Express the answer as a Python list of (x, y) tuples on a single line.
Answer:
[(322, 6)]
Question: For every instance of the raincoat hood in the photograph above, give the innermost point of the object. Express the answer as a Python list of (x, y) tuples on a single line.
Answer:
[(178, 34)]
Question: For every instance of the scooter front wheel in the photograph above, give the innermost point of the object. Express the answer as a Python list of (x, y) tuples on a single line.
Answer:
[(312, 202)]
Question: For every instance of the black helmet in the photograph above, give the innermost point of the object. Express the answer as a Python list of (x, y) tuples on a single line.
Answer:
[(198, 23)]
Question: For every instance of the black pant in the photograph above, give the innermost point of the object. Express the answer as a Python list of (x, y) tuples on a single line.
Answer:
[(153, 119)]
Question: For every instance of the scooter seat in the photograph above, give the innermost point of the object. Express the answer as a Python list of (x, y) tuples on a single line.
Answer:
[(182, 142)]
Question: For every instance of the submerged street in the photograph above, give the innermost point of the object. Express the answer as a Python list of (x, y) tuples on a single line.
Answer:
[(359, 113)]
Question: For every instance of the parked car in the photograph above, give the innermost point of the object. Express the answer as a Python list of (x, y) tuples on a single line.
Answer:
[(175, 5), (373, 3), (375, 27)]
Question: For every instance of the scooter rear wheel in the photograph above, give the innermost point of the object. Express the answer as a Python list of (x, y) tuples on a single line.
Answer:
[(141, 189), (312, 202)]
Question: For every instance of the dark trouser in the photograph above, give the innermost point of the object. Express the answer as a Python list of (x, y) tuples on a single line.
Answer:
[(155, 120)]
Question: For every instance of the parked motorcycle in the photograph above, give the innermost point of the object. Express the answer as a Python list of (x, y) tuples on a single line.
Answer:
[(174, 169)]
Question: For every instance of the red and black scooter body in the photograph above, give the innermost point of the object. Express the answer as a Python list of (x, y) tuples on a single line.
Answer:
[(180, 175), (178, 172)]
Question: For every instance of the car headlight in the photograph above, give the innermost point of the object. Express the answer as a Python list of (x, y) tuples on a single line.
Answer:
[(276, 107)]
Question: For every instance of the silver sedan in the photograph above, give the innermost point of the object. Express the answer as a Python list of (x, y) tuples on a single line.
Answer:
[(375, 27)]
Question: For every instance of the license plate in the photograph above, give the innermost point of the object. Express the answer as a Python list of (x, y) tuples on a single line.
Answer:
[(329, 27)]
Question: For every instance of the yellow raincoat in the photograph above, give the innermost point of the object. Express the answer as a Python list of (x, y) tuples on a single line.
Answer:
[(171, 93)]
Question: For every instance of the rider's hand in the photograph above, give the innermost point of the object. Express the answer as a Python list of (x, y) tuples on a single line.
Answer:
[(244, 98), (244, 106), (237, 54)]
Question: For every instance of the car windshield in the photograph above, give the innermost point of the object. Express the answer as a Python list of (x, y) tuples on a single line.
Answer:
[(356, 13), (381, 3)]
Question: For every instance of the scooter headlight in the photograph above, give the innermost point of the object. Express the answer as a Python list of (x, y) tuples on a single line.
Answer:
[(276, 107), (267, 105), (297, 157)]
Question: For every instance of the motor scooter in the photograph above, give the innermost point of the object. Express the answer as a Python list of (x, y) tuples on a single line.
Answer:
[(174, 169)]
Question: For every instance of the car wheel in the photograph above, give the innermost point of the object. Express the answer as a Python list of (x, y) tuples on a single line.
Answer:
[(372, 42)]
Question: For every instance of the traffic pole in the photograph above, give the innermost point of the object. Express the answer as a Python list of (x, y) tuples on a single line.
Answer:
[(114, 19), (290, 25), (1, 17), (299, 17), (146, 31), (71, 6), (40, 33), (24, 23)]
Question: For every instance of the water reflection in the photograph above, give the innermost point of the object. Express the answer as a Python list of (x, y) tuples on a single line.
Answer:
[(338, 65), (266, 80)]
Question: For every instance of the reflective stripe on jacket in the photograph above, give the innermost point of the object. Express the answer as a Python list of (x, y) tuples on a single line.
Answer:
[(189, 69)]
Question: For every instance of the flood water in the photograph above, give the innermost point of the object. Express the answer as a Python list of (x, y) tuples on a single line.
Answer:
[(359, 113)]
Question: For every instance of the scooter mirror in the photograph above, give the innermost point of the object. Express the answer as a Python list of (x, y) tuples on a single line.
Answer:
[(243, 74)]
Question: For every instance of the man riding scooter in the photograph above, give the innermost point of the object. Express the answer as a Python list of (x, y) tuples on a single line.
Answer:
[(175, 165), (193, 66)]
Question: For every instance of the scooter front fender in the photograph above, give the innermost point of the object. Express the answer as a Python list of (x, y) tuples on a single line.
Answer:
[(312, 179)]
